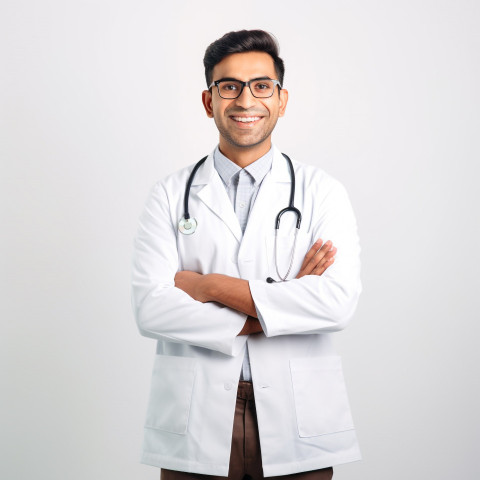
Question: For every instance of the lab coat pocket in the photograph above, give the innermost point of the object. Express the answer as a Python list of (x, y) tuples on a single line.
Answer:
[(321, 402), (285, 244), (171, 393)]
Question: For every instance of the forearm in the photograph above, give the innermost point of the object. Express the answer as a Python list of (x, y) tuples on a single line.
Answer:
[(231, 292)]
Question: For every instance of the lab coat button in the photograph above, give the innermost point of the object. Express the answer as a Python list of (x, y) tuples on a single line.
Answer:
[(227, 386)]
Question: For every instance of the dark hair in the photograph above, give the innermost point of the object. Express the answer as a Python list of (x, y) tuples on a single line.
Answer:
[(240, 42)]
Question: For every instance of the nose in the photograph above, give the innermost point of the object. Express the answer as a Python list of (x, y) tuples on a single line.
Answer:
[(246, 99)]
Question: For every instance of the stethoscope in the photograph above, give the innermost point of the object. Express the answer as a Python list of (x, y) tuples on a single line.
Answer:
[(188, 225)]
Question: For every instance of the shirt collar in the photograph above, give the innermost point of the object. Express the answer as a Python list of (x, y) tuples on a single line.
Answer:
[(228, 169)]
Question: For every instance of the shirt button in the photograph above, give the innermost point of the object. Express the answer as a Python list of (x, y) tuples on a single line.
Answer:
[(242, 204), (227, 386)]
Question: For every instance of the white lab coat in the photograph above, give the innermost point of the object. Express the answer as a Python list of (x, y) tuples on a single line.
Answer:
[(302, 407)]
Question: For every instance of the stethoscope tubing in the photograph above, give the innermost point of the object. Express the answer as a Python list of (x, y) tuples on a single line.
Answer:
[(186, 216)]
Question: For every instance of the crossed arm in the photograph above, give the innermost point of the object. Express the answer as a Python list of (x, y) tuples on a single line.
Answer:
[(235, 292)]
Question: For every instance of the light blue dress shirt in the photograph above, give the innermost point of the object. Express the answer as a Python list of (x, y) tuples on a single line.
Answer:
[(242, 185)]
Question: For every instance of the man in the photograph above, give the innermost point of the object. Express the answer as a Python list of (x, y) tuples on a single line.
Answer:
[(246, 382)]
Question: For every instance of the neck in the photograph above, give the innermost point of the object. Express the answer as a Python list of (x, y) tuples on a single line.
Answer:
[(244, 156)]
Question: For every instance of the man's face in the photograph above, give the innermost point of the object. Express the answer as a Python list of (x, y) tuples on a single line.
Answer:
[(264, 111)]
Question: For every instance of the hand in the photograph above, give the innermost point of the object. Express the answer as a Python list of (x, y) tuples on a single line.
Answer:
[(252, 325), (192, 283), (318, 258)]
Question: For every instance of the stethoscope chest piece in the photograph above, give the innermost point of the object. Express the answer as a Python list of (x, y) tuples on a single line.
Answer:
[(187, 227)]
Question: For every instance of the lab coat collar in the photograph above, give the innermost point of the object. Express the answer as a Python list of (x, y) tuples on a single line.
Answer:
[(278, 173)]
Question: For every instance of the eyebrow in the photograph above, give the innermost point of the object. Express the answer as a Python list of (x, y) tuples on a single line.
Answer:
[(231, 79)]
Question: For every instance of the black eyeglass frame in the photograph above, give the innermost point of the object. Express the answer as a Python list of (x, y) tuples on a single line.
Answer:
[(216, 83)]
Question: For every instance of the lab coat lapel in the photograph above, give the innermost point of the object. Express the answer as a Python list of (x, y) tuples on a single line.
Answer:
[(214, 195)]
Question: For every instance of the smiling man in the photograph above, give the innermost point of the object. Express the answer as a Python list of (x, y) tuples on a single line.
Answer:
[(243, 295)]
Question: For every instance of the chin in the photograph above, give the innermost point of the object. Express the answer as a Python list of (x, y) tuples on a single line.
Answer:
[(246, 142)]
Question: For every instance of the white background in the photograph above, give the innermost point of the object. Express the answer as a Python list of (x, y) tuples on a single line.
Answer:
[(101, 98)]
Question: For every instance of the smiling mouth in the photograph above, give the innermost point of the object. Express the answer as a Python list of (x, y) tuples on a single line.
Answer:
[(246, 120)]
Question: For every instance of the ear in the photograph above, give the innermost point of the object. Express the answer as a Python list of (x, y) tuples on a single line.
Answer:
[(283, 102), (207, 103)]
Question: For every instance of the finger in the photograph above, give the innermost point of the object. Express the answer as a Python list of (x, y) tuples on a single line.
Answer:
[(313, 250), (322, 264), (309, 262), (313, 257), (328, 255), (318, 256), (319, 270), (331, 253)]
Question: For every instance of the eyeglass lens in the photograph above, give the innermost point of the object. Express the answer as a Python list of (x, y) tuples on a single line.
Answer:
[(259, 88)]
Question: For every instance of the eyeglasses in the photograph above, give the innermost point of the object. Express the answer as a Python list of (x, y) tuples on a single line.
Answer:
[(231, 88)]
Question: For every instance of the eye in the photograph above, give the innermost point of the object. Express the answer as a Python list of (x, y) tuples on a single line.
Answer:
[(263, 86), (229, 86)]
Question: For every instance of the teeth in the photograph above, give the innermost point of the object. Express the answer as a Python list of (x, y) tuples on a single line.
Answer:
[(246, 119)]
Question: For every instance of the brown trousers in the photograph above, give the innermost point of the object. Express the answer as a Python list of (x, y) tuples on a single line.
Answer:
[(245, 456)]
